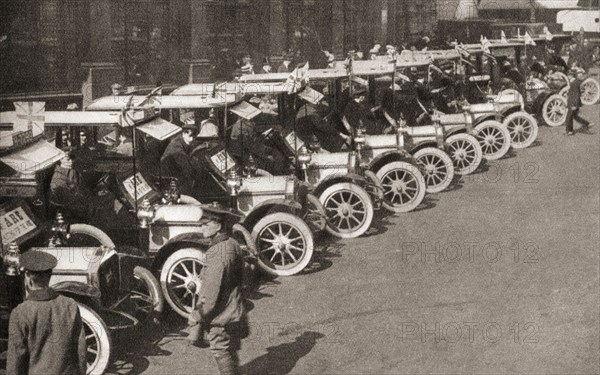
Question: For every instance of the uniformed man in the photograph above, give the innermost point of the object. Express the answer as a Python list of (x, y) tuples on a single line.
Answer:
[(46, 333), (177, 160), (220, 309)]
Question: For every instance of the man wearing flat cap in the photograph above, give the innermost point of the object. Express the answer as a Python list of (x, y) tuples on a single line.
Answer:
[(46, 333), (177, 161)]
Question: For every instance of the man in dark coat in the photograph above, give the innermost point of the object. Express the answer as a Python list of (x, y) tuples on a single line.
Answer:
[(220, 309), (574, 103), (46, 333), (177, 161)]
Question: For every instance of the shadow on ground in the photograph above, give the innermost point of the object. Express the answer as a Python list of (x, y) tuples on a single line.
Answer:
[(281, 359)]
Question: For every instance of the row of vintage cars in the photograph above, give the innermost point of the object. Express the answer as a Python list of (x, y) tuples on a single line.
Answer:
[(293, 154)]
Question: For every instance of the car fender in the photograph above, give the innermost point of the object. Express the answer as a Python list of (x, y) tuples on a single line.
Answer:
[(422, 144), (80, 292), (262, 209), (189, 239), (388, 157)]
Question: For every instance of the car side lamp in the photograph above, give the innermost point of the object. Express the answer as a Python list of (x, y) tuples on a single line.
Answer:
[(171, 194), (251, 167), (304, 157), (11, 260), (359, 138), (145, 213), (314, 144), (234, 182), (59, 230)]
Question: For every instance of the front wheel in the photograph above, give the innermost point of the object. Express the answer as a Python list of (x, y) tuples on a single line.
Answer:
[(523, 129), (554, 110), (349, 210), (590, 91), (403, 186), (439, 170), (284, 244), (493, 138), (465, 152), (97, 339), (180, 279)]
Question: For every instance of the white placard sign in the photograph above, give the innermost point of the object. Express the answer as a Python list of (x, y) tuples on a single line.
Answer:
[(138, 189), (15, 224), (293, 141), (223, 161)]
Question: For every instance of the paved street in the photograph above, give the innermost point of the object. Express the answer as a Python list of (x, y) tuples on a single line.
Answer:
[(498, 275)]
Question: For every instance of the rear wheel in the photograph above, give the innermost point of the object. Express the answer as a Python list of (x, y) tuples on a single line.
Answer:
[(349, 210), (465, 152), (590, 91), (403, 186), (493, 138), (180, 279), (523, 129), (439, 170), (284, 243), (554, 110), (97, 339)]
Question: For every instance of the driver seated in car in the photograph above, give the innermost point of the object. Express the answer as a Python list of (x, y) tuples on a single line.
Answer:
[(177, 162)]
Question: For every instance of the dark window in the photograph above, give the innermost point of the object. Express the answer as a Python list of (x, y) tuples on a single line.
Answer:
[(41, 44), (140, 36)]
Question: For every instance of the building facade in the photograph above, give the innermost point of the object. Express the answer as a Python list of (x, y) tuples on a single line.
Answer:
[(53, 48)]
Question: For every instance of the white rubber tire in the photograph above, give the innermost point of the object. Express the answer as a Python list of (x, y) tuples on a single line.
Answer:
[(493, 138), (97, 334), (400, 175), (466, 154), (352, 205), (439, 169), (523, 129), (286, 226)]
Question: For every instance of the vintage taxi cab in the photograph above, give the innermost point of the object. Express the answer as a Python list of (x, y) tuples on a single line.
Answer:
[(348, 194), (113, 291), (278, 211)]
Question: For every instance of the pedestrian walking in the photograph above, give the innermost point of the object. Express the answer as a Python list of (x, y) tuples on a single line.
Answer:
[(220, 315), (46, 333), (574, 103)]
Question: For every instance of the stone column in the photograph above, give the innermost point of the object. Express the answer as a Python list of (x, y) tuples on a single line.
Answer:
[(100, 31), (199, 67), (277, 29), (338, 27)]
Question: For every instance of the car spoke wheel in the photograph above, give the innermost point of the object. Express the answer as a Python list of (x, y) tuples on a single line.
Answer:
[(493, 138), (146, 295), (523, 129), (97, 341), (554, 110), (439, 170), (466, 154), (590, 91), (284, 243), (403, 186), (180, 279), (349, 209)]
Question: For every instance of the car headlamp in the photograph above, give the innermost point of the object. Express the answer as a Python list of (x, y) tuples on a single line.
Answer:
[(234, 182), (59, 230), (11, 260), (145, 213), (359, 138), (304, 157)]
